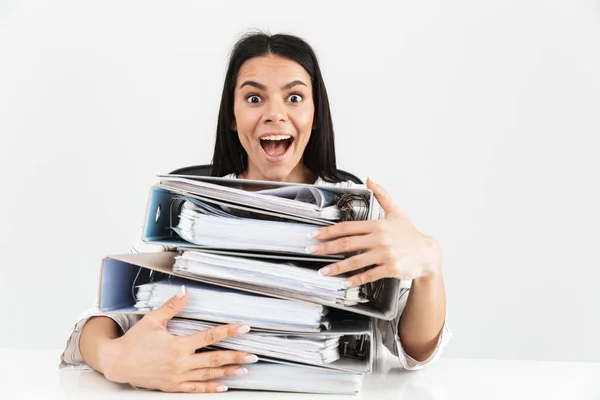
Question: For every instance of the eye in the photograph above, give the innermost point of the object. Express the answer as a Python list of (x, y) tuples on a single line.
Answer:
[(254, 99), (295, 98)]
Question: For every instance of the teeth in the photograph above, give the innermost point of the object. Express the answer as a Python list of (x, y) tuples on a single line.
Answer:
[(276, 137)]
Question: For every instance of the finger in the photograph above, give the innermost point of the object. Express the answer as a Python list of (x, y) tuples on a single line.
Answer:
[(346, 228), (207, 374), (385, 199), (211, 336), (371, 275), (351, 264), (199, 387), (171, 308), (344, 245), (219, 358)]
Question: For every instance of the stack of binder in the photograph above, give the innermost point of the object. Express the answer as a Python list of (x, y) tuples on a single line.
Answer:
[(239, 247)]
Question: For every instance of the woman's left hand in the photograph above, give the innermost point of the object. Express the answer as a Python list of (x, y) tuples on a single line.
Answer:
[(393, 245)]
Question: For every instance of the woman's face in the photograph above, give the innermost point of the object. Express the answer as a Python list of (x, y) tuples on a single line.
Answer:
[(273, 116)]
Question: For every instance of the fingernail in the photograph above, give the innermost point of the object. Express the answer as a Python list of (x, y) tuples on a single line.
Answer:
[(371, 179), (314, 233), (221, 388), (181, 292), (241, 371), (311, 249), (243, 329), (346, 284), (250, 359), (324, 271)]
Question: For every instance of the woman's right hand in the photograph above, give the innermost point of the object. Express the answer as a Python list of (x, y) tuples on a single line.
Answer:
[(148, 356)]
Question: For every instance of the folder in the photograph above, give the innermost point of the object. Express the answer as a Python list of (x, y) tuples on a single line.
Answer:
[(296, 279), (309, 202), (124, 288), (120, 272), (292, 378), (217, 303), (238, 197), (289, 346), (354, 337)]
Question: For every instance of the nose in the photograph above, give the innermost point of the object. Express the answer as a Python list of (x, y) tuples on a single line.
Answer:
[(275, 112)]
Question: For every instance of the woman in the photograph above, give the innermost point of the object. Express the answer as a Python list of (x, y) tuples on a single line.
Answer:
[(275, 124)]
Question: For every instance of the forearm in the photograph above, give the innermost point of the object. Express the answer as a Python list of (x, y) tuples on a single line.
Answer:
[(96, 332), (424, 314)]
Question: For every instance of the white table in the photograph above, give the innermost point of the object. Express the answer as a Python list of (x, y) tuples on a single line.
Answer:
[(33, 374)]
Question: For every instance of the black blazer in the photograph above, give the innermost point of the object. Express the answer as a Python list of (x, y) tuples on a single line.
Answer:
[(205, 170)]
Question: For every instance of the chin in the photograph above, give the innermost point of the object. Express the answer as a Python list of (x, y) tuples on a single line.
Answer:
[(276, 173)]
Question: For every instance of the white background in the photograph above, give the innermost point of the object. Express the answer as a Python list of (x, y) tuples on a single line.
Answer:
[(480, 117)]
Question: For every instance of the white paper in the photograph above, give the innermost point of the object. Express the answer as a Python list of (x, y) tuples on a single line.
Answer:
[(275, 277), (243, 234), (292, 378), (215, 303), (297, 347), (240, 196)]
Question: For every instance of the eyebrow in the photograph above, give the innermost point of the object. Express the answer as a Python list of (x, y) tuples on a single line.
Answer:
[(263, 87)]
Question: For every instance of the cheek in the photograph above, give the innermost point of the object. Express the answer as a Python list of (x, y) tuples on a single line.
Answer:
[(304, 121), (246, 120)]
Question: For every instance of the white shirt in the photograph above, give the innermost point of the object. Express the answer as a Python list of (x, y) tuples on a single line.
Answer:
[(386, 332)]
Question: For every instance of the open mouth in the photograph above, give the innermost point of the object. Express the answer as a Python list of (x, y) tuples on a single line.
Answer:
[(276, 145)]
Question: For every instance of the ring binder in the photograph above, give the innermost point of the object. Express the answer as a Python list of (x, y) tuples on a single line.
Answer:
[(354, 346), (354, 207)]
